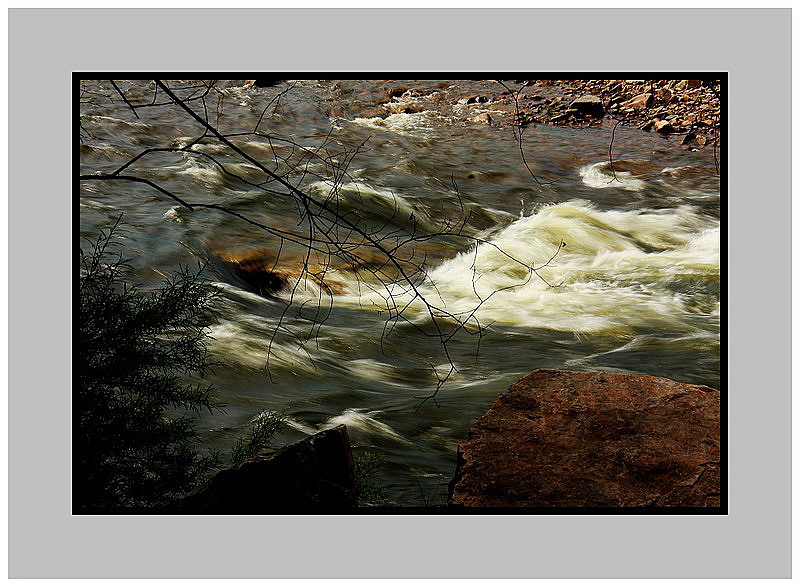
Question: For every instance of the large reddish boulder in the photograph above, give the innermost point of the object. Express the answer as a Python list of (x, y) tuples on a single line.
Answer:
[(593, 439)]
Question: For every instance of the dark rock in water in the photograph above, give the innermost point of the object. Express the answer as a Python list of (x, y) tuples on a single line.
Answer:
[(251, 269), (593, 439), (588, 104), (259, 279), (315, 474), (267, 272)]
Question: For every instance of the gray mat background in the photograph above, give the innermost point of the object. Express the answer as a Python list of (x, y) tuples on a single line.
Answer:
[(45, 46)]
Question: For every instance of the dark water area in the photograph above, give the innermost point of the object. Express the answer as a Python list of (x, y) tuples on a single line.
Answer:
[(637, 284)]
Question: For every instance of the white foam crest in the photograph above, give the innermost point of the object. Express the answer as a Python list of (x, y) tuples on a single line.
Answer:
[(95, 205), (372, 369), (355, 194), (674, 170), (700, 254), (609, 276), (250, 347), (105, 150), (210, 176), (300, 426), (173, 214), (600, 176), (415, 123), (638, 342), (210, 148), (112, 120), (357, 419)]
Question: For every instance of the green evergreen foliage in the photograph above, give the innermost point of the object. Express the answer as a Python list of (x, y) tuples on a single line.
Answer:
[(134, 441), (264, 427), (370, 490)]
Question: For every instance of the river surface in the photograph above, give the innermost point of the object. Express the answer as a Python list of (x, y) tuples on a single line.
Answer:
[(635, 288)]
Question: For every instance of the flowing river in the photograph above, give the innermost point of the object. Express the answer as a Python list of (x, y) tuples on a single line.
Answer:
[(635, 288)]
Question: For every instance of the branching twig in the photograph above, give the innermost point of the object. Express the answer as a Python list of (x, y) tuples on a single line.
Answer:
[(382, 256)]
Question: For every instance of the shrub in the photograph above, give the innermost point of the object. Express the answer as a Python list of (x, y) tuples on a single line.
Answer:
[(134, 440), (370, 490), (264, 427)]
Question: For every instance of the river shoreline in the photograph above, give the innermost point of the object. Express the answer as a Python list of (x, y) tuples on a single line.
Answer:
[(685, 111)]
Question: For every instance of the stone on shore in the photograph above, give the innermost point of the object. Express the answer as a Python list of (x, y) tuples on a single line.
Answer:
[(315, 474), (640, 102), (593, 439), (588, 104), (663, 126)]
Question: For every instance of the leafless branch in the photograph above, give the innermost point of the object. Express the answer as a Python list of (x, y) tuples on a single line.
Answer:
[(381, 254)]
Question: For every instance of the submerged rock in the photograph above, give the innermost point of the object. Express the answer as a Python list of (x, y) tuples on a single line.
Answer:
[(266, 272), (593, 439), (312, 475), (482, 118), (252, 269)]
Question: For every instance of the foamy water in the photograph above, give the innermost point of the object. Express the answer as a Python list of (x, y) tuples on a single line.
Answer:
[(614, 272)]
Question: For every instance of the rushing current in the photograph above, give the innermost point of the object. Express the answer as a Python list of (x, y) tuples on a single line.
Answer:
[(634, 288)]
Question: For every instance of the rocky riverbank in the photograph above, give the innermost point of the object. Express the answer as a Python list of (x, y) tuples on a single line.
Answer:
[(688, 110), (682, 107)]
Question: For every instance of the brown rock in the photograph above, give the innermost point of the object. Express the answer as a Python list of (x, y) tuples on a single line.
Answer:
[(400, 108), (688, 84), (663, 126), (313, 474), (593, 439), (588, 104), (700, 140), (253, 269), (483, 118), (639, 102), (395, 92), (264, 273)]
